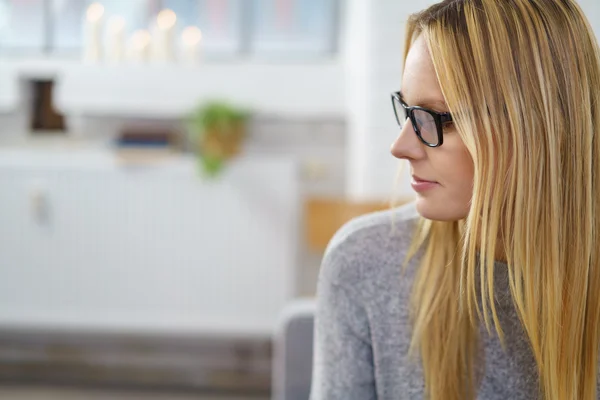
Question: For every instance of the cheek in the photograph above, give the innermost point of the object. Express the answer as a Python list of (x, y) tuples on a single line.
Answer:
[(456, 168), (462, 175)]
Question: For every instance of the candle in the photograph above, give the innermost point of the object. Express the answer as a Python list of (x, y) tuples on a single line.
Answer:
[(139, 46), (93, 33), (116, 38), (190, 45), (163, 36)]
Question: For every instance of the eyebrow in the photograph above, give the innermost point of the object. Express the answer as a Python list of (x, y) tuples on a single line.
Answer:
[(427, 102)]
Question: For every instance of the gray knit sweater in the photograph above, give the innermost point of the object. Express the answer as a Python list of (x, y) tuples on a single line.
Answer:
[(362, 324)]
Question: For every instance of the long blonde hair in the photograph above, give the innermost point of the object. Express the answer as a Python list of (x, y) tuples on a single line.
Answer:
[(522, 79)]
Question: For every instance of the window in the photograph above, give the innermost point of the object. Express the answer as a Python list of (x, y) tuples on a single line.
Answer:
[(23, 25), (301, 27), (67, 24), (67, 19), (272, 27), (220, 21)]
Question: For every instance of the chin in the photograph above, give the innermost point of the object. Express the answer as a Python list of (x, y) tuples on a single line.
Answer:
[(439, 210)]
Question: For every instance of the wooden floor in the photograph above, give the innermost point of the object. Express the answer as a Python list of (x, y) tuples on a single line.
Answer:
[(49, 393), (146, 362)]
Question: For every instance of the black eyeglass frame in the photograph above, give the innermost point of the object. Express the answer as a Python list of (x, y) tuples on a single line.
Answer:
[(439, 118)]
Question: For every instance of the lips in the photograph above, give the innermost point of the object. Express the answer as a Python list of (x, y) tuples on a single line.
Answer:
[(421, 185), (421, 180)]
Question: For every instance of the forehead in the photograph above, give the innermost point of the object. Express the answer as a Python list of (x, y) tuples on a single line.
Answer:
[(419, 80)]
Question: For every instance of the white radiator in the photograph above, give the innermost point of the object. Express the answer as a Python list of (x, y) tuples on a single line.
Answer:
[(87, 243)]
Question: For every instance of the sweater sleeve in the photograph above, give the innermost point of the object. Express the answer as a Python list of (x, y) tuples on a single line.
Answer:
[(343, 357)]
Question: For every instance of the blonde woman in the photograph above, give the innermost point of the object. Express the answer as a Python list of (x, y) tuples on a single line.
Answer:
[(488, 286)]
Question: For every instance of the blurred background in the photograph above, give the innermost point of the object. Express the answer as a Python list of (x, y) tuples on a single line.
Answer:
[(171, 172)]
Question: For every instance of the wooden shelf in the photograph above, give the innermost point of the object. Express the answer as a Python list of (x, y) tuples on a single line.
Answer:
[(309, 89)]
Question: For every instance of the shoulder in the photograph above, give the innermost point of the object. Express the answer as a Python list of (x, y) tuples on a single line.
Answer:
[(370, 249)]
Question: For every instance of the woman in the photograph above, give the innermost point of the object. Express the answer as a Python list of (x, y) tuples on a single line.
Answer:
[(500, 295)]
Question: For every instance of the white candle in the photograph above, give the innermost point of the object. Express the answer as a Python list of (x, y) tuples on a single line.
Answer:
[(139, 46), (163, 36), (190, 45), (115, 40), (93, 33)]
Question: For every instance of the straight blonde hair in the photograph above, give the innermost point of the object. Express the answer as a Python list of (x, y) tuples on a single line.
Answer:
[(522, 80)]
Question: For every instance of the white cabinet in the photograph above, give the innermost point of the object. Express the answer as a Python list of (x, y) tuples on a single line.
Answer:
[(88, 244)]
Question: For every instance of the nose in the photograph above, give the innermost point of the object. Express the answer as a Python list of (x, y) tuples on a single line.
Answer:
[(407, 145)]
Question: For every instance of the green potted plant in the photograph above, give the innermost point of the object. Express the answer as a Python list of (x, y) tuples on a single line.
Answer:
[(219, 129)]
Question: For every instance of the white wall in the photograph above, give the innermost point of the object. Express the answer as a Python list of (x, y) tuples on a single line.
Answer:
[(592, 11), (356, 46)]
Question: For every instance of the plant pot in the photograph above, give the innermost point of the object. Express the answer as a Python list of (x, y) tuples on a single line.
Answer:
[(223, 144)]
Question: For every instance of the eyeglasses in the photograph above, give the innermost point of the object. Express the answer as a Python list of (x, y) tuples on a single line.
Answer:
[(427, 124)]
